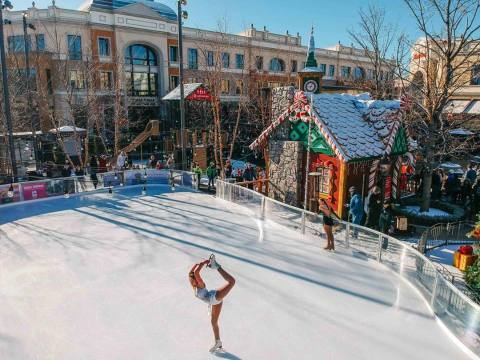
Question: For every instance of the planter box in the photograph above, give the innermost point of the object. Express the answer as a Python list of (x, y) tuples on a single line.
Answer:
[(462, 261)]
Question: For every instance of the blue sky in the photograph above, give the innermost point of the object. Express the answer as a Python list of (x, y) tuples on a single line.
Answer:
[(331, 18)]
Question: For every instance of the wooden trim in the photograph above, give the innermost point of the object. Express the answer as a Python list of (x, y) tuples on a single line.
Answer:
[(342, 191)]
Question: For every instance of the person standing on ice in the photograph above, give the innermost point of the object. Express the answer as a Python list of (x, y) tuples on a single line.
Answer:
[(327, 223), (214, 298)]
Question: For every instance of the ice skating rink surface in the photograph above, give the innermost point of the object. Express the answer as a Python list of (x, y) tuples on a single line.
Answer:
[(105, 277)]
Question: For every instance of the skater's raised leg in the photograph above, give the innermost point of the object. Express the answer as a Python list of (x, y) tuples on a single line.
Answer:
[(224, 290)]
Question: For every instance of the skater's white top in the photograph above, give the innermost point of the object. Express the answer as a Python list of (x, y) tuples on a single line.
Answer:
[(101, 277)]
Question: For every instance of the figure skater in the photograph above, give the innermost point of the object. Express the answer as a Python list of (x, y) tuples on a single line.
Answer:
[(327, 224), (214, 298)]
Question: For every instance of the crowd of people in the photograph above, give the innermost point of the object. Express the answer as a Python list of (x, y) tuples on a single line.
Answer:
[(253, 177)]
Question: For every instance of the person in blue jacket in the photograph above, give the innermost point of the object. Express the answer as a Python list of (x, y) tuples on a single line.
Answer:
[(355, 208)]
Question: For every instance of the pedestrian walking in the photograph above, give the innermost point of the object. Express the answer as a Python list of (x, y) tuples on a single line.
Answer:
[(121, 160), (249, 175), (385, 219), (228, 169), (93, 170)]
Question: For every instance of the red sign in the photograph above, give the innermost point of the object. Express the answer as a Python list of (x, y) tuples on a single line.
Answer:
[(201, 94), (34, 191)]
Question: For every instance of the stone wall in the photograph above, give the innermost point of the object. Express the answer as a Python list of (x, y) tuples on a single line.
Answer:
[(282, 98), (285, 171)]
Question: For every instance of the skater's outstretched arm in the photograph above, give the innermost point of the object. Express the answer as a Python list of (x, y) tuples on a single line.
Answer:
[(195, 278)]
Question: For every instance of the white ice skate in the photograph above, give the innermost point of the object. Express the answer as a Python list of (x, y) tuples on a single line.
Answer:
[(212, 264), (216, 347)]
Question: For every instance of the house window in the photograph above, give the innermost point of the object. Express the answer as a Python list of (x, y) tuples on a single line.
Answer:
[(76, 79), (225, 87), (239, 61), (74, 47), (346, 71), (173, 53), (322, 180), (106, 80), (210, 58), (294, 67), (141, 83), (475, 75), (48, 74), (359, 73), (331, 70), (103, 46), (40, 42), (370, 74), (323, 68), (173, 82), (225, 60), (239, 87), (193, 59), (16, 43), (259, 62), (277, 65), (140, 55)]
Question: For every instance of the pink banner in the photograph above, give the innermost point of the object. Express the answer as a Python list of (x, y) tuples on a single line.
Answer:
[(34, 191)]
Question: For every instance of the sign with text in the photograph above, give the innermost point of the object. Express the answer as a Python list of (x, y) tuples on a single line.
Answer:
[(201, 94), (34, 191)]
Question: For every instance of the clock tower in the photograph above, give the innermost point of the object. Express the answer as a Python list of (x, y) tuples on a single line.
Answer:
[(310, 78)]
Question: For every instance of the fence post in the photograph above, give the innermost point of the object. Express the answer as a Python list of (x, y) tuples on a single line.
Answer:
[(434, 290), (347, 236), (302, 227), (380, 241), (262, 209)]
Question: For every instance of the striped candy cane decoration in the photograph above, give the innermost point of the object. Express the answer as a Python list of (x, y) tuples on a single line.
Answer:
[(395, 179), (372, 177)]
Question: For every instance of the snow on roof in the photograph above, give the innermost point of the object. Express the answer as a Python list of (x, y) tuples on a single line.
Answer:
[(361, 128), (460, 132), (456, 106), (187, 89), (473, 107), (67, 129)]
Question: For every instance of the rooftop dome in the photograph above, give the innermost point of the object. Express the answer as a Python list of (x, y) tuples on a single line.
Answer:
[(161, 9)]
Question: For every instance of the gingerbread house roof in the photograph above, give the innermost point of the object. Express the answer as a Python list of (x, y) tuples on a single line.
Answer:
[(355, 127)]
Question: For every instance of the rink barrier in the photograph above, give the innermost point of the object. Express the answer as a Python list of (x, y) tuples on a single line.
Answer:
[(454, 311), (66, 186)]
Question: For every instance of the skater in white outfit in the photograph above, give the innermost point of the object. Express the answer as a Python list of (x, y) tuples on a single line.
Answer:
[(214, 298)]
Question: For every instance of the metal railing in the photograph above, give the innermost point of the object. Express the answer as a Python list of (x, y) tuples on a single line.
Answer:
[(47, 187), (459, 313), (443, 234)]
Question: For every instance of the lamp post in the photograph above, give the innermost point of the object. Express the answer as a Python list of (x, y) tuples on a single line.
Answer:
[(27, 43), (6, 94), (181, 15)]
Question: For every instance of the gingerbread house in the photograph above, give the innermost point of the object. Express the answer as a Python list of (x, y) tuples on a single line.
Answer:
[(325, 143)]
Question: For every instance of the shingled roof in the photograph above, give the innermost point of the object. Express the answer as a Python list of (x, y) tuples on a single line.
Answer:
[(356, 127)]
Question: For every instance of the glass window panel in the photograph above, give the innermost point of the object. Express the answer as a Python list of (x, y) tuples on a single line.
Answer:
[(239, 60), (104, 46), (210, 58), (74, 47), (173, 53), (226, 60), (40, 42), (331, 70)]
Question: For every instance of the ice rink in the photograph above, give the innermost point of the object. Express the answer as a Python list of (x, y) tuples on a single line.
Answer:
[(105, 277)]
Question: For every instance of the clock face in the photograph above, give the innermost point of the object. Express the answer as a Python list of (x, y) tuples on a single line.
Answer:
[(310, 86)]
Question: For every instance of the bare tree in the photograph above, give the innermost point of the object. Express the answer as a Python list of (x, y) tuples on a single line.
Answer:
[(441, 64), (376, 36)]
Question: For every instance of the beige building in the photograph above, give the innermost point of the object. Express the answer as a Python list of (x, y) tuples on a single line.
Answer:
[(135, 47)]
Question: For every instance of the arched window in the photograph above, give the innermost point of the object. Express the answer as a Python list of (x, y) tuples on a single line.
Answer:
[(140, 55), (277, 65), (359, 73), (142, 74)]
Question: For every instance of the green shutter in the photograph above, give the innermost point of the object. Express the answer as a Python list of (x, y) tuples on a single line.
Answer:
[(400, 144), (299, 132)]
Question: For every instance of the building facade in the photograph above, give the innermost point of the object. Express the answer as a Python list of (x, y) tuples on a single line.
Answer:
[(130, 47)]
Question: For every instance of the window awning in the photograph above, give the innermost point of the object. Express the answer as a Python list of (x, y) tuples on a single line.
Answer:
[(192, 92)]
